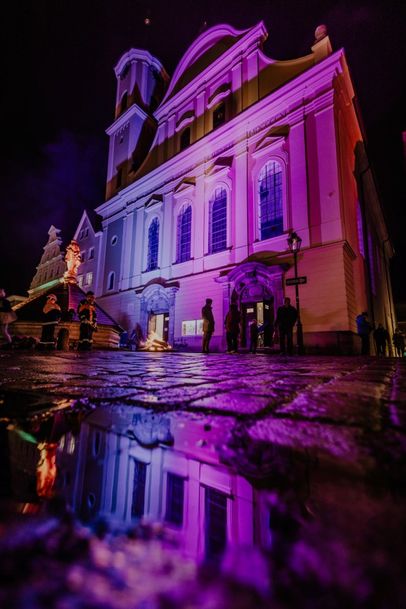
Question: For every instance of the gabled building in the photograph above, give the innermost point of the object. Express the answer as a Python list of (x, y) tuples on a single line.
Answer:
[(88, 236), (210, 171), (51, 267)]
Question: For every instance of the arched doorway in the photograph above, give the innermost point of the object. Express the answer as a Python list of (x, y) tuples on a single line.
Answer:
[(255, 301), (257, 289), (157, 311)]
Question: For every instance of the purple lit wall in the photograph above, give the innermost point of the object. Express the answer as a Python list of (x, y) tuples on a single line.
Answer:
[(244, 111)]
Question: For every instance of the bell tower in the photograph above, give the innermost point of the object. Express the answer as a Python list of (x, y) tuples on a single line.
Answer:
[(141, 84)]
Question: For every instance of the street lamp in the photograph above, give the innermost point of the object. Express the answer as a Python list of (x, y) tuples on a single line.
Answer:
[(294, 243)]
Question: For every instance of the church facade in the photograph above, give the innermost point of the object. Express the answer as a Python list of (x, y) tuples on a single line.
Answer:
[(210, 172)]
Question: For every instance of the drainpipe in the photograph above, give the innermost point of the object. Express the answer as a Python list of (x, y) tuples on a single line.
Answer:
[(366, 242), (389, 291)]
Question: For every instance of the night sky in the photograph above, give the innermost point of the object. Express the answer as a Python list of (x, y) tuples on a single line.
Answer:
[(58, 96)]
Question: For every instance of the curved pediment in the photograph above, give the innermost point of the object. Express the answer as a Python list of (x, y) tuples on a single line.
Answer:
[(203, 52)]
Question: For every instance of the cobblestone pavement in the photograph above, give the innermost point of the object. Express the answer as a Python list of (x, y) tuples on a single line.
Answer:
[(294, 400), (321, 441)]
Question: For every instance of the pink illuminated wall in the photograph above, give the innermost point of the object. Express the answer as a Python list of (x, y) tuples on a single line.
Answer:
[(243, 110)]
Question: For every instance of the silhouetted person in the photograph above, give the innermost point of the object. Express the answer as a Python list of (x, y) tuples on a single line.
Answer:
[(88, 323), (7, 316), (381, 338), (363, 329), (136, 337), (254, 333), (398, 342), (52, 315), (232, 326), (208, 325), (285, 320)]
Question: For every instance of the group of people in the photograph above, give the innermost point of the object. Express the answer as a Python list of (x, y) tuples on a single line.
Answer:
[(381, 337), (51, 316), (286, 318)]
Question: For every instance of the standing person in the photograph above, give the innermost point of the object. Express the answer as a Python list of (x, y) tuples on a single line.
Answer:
[(7, 316), (208, 324), (254, 332), (88, 324), (381, 338), (364, 329), (232, 325), (398, 342), (136, 337), (285, 320), (52, 315)]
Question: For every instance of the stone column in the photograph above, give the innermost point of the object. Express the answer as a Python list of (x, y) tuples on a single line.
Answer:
[(171, 292)]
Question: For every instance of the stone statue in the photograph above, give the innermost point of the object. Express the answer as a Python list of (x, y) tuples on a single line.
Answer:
[(73, 261)]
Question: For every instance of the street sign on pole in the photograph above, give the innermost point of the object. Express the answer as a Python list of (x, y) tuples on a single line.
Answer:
[(296, 281)]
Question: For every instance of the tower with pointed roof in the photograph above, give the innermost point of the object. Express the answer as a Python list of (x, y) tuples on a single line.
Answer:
[(52, 266)]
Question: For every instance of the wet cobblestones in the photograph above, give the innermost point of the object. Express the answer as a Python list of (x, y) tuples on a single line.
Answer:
[(319, 441)]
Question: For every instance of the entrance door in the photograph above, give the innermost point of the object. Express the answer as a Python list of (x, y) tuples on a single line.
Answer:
[(159, 323), (263, 312)]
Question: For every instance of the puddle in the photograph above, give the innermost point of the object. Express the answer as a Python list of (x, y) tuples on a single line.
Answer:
[(128, 507)]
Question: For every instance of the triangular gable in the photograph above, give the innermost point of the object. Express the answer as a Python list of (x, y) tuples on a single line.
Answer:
[(185, 184), (274, 134), (153, 200)]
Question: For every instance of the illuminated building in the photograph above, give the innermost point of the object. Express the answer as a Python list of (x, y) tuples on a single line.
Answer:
[(211, 170)]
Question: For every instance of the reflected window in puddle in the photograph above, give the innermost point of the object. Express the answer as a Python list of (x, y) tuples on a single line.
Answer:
[(174, 499), (96, 443), (138, 500), (215, 522), (71, 443)]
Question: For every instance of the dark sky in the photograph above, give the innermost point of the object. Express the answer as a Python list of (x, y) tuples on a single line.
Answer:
[(58, 95)]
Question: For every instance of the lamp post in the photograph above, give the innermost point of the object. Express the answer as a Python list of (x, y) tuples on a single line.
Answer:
[(294, 243)]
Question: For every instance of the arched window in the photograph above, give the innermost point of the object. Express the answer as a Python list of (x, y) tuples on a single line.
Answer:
[(219, 115), (185, 138), (218, 221), (270, 201), (110, 281), (184, 234), (153, 245)]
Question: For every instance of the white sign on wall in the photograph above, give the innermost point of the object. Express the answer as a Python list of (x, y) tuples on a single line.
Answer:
[(189, 328)]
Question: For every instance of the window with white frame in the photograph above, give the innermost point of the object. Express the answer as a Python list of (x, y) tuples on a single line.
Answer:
[(153, 245), (80, 280), (110, 281), (218, 221), (184, 236), (89, 278), (270, 195)]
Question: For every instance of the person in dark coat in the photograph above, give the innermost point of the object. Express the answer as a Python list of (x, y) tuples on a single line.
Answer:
[(399, 343), (88, 322), (363, 329), (232, 325), (136, 337), (254, 333), (52, 315), (381, 338), (208, 325), (285, 320), (7, 316)]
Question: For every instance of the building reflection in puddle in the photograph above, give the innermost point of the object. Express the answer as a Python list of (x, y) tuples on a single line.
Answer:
[(127, 464)]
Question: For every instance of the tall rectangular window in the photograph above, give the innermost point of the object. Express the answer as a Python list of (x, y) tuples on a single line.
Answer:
[(219, 115), (270, 201), (174, 499), (215, 522), (218, 221), (184, 234), (138, 498), (153, 245)]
